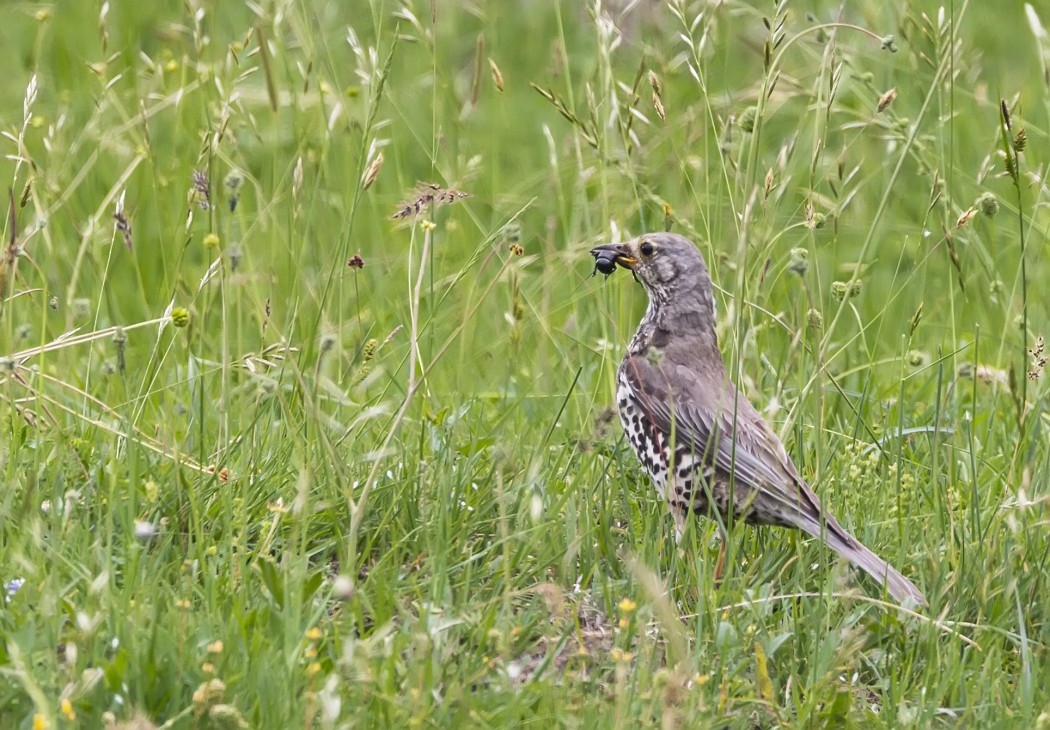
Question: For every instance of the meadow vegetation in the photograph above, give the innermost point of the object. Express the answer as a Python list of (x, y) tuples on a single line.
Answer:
[(305, 383)]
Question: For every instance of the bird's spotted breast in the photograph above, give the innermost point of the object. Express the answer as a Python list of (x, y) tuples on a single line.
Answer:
[(644, 439), (673, 480)]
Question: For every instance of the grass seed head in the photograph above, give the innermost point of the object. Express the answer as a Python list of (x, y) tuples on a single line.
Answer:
[(123, 227), (1020, 140), (1039, 359), (798, 262), (885, 100), (201, 190), (426, 195), (842, 289), (987, 203), (372, 172), (966, 217), (497, 76), (748, 118), (369, 350), (918, 358), (180, 317)]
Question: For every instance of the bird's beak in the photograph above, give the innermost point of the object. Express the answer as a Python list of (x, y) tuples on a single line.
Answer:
[(618, 252)]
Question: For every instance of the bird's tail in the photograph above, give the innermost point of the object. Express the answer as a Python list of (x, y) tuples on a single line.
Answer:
[(849, 547)]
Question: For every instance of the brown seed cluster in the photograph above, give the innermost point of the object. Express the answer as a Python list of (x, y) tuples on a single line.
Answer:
[(1038, 359), (885, 100), (427, 194), (202, 189), (123, 226), (372, 172)]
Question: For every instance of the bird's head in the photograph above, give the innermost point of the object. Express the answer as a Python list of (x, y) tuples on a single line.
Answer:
[(668, 265)]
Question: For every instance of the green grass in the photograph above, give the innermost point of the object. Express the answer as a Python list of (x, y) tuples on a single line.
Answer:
[(391, 495)]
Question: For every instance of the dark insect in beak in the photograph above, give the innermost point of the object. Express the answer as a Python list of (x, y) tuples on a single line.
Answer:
[(605, 262), (607, 258)]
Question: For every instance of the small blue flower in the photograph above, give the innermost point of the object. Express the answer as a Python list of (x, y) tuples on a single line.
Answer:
[(13, 586)]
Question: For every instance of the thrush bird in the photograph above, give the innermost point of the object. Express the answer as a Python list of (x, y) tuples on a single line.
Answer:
[(702, 442)]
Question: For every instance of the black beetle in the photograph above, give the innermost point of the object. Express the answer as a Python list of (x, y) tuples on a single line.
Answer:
[(605, 262)]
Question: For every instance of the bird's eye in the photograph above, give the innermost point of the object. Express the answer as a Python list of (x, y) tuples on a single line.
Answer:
[(646, 248)]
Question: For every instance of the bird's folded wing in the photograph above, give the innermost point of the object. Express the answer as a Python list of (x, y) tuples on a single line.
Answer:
[(702, 415)]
